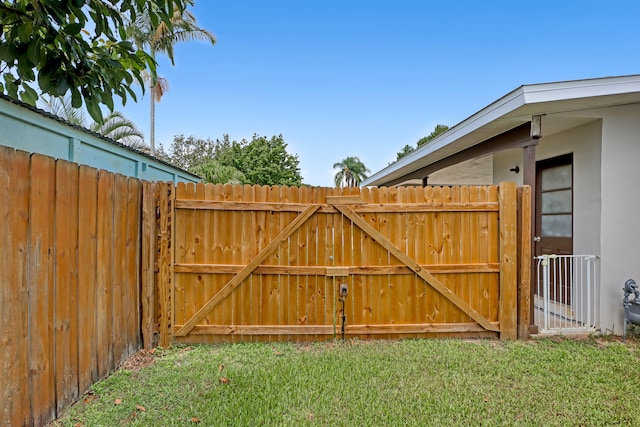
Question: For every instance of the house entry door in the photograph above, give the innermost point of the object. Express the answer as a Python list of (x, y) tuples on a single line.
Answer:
[(554, 218)]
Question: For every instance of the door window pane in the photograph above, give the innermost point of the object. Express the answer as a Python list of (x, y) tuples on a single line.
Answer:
[(558, 177), (557, 202), (557, 225)]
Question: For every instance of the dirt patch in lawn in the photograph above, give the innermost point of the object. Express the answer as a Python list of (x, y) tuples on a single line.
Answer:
[(139, 360)]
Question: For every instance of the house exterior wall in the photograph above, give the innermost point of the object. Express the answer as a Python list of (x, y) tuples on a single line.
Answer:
[(585, 142), (470, 172), (606, 198), (620, 237), (30, 131)]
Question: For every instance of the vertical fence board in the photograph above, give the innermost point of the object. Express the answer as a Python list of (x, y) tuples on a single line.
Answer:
[(165, 264), (209, 280), (41, 281), (524, 261), (260, 291), (148, 260), (199, 251), (132, 266), (104, 273), (66, 228), (119, 235), (508, 260), (87, 250), (184, 305), (236, 259), (248, 251), (14, 386)]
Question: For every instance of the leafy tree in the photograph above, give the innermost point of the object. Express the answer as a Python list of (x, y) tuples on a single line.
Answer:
[(263, 161), (115, 125), (436, 131), (76, 46), (189, 152), (159, 37), (351, 172), (409, 149), (216, 173), (405, 150)]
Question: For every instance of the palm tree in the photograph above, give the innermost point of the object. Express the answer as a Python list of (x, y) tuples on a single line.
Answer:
[(61, 107), (114, 126), (160, 38), (117, 127), (351, 172)]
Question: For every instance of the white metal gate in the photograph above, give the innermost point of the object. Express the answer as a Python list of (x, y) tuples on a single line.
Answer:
[(566, 294)]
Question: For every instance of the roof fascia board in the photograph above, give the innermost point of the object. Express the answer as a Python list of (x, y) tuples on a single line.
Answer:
[(495, 110), (562, 91), (524, 95)]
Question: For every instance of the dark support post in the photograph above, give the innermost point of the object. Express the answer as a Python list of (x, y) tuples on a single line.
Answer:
[(529, 178)]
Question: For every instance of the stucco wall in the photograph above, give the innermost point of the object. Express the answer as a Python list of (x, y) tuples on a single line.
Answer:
[(27, 130), (471, 172), (585, 142), (620, 247)]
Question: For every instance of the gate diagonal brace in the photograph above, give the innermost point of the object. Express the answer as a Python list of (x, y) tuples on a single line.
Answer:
[(415, 267), (247, 270)]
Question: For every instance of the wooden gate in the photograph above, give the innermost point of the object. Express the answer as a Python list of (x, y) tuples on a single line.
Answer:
[(240, 263)]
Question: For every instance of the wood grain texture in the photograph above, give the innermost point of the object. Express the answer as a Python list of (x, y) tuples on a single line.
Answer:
[(525, 261), (61, 270), (41, 289), (509, 261), (446, 235), (87, 268)]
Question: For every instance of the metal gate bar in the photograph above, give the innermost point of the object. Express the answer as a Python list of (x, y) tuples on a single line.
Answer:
[(565, 299)]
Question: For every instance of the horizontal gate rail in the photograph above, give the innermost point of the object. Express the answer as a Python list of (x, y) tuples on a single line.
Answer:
[(327, 208), (322, 270)]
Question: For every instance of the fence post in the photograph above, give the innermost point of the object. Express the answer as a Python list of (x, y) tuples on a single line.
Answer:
[(165, 262), (149, 250), (524, 261), (508, 305)]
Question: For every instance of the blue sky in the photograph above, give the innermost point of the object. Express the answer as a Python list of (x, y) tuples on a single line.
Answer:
[(342, 78)]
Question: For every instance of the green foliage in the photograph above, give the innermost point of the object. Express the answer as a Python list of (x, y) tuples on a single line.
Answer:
[(119, 128), (78, 47), (216, 173), (351, 172), (189, 152), (158, 37), (114, 126), (439, 129), (261, 161), (405, 150), (427, 382), (264, 161)]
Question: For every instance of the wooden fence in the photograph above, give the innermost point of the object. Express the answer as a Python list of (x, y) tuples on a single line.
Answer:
[(93, 265), (238, 263), (69, 281)]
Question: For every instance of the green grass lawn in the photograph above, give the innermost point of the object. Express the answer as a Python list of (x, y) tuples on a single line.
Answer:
[(356, 383)]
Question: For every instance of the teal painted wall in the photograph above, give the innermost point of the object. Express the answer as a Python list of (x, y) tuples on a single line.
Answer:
[(27, 130)]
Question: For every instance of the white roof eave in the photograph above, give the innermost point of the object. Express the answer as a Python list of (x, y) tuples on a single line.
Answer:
[(507, 106)]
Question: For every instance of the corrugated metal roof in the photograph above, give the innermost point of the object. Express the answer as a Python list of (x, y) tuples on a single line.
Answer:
[(90, 132)]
